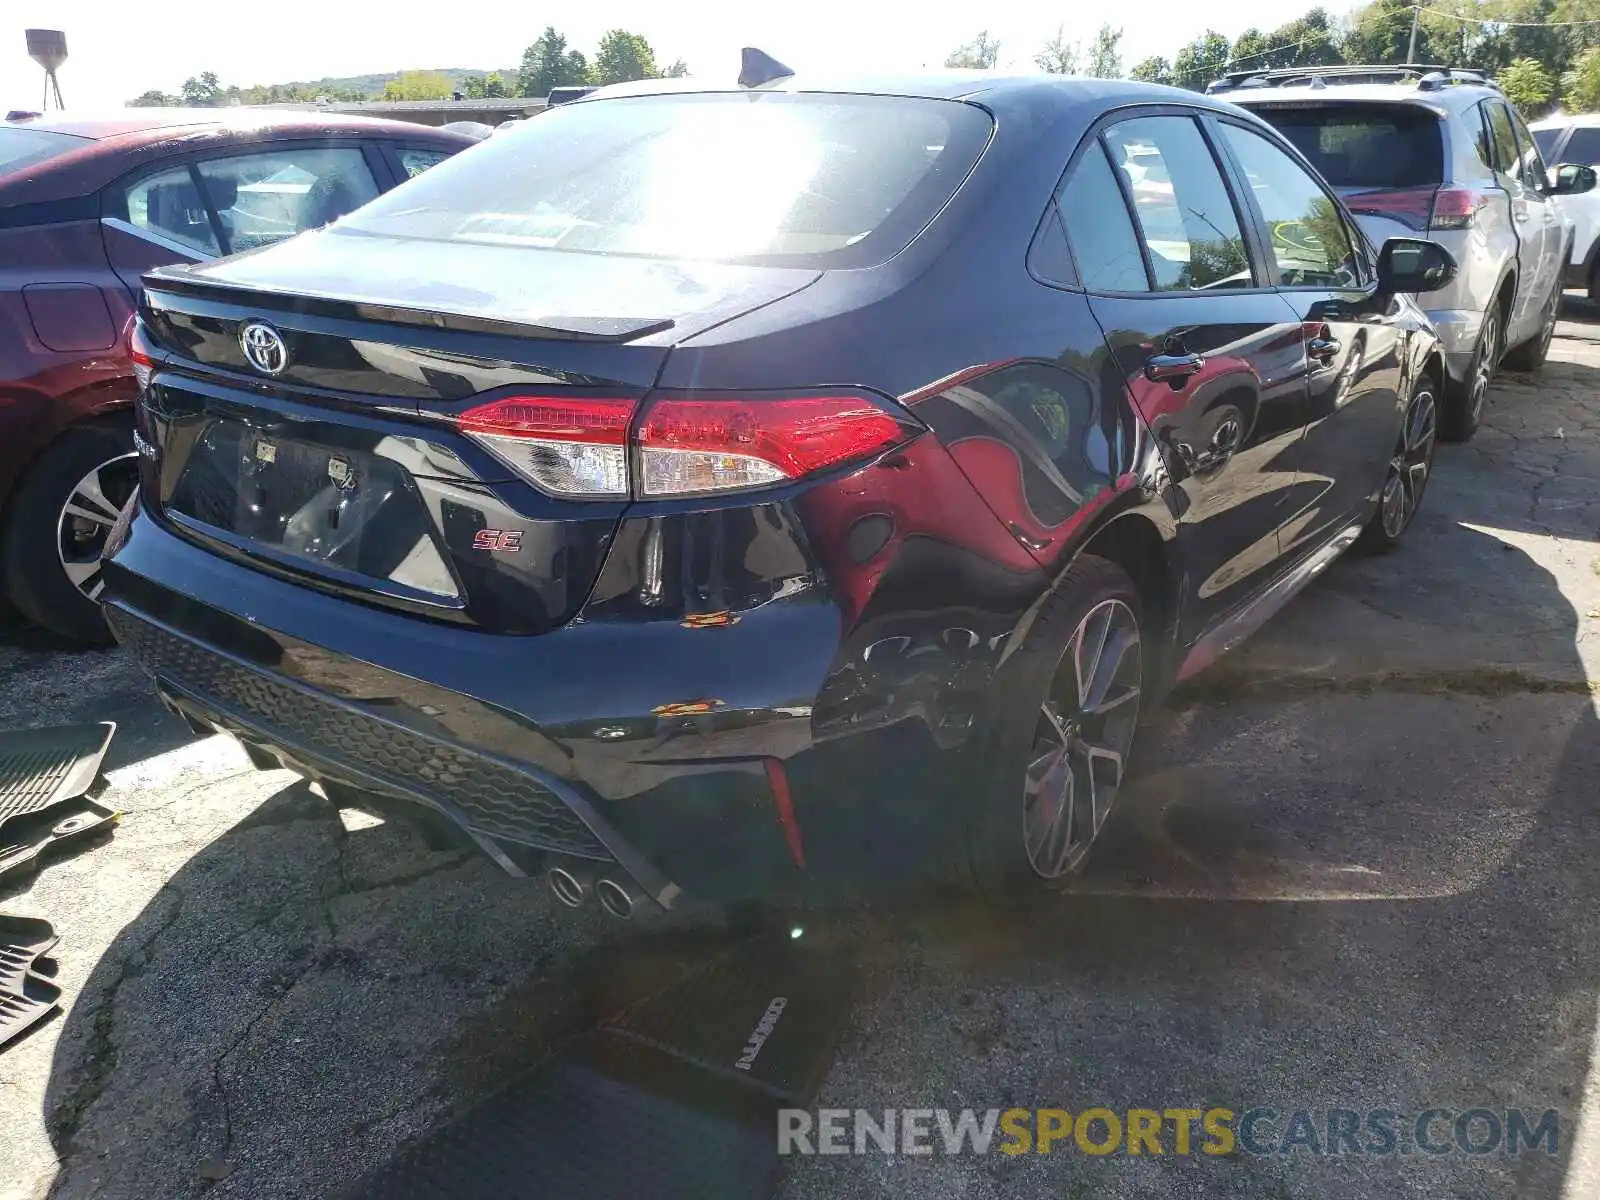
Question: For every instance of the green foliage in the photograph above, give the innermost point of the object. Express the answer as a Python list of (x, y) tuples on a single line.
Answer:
[(678, 70), (1105, 55), (549, 64), (1528, 85), (1580, 87), (623, 57), (154, 98), (202, 91), (1381, 33), (1152, 70), (982, 52), (1058, 56), (418, 85), (1201, 61)]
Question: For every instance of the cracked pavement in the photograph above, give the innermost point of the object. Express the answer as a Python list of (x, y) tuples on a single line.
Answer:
[(1357, 869)]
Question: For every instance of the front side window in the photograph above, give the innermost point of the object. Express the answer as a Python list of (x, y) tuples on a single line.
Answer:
[(1181, 204), (265, 198), (1305, 230), (1583, 147), (1530, 164), (1099, 228), (781, 179), (1546, 140), (169, 205)]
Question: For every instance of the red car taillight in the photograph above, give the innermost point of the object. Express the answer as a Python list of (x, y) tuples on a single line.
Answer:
[(1454, 208), (1421, 208), (581, 448), (140, 351)]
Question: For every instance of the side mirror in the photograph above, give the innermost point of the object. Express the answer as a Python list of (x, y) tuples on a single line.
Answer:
[(1414, 265), (1572, 179)]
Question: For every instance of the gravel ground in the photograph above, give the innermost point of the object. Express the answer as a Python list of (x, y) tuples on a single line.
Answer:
[(1355, 872)]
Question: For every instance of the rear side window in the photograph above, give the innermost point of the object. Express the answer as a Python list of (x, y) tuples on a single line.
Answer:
[(22, 147), (1582, 147), (1502, 137), (415, 162), (1364, 145), (1181, 204), (264, 198), (1099, 228), (780, 179), (169, 205)]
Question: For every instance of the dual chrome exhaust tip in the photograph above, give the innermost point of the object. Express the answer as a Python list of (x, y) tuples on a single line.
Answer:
[(574, 887)]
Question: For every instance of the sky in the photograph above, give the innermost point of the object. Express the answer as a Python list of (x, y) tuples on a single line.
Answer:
[(118, 49)]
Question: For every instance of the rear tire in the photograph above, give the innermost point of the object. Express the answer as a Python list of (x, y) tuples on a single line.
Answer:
[(1468, 399), (1057, 749), (51, 556)]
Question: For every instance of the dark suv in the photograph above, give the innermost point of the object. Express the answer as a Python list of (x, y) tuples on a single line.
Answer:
[(86, 207)]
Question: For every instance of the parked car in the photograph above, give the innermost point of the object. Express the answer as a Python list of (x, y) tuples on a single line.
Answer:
[(713, 542), (1430, 151), (1575, 140), (86, 206)]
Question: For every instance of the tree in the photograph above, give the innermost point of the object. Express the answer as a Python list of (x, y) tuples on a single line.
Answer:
[(1528, 85), (204, 91), (418, 85), (1152, 70), (1251, 51), (154, 98), (1580, 87), (1309, 41), (622, 58), (1058, 56), (678, 70), (982, 52), (1201, 61), (1105, 58), (484, 87), (1381, 33), (549, 64)]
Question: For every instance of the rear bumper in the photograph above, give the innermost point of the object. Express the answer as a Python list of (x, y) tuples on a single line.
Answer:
[(558, 745)]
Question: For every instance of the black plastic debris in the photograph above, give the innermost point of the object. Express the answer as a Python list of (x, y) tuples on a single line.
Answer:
[(27, 994), (44, 777)]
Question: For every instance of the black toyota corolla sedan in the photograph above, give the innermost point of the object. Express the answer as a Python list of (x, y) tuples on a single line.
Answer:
[(700, 493)]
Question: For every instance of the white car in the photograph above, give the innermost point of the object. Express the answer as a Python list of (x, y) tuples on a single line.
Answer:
[(1440, 153), (1576, 139)]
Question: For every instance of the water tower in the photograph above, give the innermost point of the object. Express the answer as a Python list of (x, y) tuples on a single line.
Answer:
[(48, 48)]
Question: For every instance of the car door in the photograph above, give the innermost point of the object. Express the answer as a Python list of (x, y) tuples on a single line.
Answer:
[(1353, 342), (1528, 212), (1547, 212), (1212, 357), (202, 207)]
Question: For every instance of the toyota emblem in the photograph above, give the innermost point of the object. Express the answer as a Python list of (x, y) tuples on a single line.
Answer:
[(263, 347)]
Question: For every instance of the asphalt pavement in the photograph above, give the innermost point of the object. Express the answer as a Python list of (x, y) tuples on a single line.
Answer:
[(1357, 872)]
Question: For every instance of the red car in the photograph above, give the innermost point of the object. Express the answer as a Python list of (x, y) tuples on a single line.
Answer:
[(86, 207)]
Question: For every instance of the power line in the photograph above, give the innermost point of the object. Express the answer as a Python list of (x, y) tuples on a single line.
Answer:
[(1434, 12)]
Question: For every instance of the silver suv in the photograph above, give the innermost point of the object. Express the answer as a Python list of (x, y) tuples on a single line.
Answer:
[(1427, 150)]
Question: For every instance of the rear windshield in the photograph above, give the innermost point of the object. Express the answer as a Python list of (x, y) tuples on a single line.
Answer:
[(1365, 145), (28, 147), (778, 179)]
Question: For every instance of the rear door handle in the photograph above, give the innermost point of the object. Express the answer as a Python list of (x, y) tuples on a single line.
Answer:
[(1322, 349), (1172, 368)]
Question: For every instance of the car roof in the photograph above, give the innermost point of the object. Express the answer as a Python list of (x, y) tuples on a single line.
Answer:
[(118, 143), (1443, 100), (987, 87), (1580, 120)]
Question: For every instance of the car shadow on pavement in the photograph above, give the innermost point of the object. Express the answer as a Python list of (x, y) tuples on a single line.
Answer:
[(1357, 872), (105, 685)]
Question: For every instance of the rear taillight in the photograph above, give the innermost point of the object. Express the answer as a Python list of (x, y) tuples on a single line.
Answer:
[(1454, 207), (140, 351), (1409, 206), (681, 446)]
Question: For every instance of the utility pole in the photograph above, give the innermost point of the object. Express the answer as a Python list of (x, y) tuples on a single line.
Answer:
[(1411, 50)]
